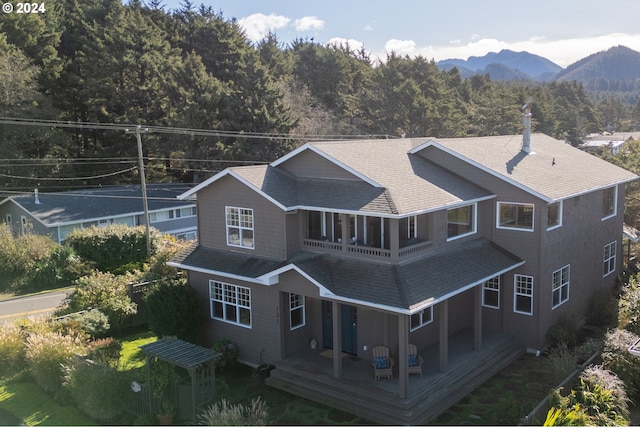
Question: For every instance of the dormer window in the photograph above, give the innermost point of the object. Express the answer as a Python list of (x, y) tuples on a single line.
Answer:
[(239, 227), (515, 216)]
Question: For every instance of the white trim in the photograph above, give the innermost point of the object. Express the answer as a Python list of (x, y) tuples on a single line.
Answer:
[(497, 291), (533, 217), (615, 202), (318, 151), (422, 322), (516, 294), (236, 305), (302, 307), (560, 211), (613, 244), (474, 225), (561, 285)]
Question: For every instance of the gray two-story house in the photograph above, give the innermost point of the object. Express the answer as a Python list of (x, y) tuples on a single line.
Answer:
[(469, 249)]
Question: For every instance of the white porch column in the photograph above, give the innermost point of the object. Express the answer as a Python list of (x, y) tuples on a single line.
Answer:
[(403, 345), (477, 318), (444, 335), (337, 339)]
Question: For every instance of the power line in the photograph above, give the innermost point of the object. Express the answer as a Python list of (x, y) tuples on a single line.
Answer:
[(70, 179)]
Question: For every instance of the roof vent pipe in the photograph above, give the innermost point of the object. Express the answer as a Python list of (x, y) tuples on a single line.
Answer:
[(526, 121), (35, 192)]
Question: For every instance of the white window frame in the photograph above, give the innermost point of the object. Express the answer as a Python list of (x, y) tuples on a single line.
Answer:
[(8, 220), (422, 319), (24, 224), (233, 300), (559, 224), (609, 262), (235, 218), (506, 227), (297, 304), (474, 222), (519, 291), (491, 286), (412, 227), (614, 201), (560, 281)]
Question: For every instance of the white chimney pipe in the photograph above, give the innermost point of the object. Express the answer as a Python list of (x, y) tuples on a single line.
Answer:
[(526, 136), (36, 196)]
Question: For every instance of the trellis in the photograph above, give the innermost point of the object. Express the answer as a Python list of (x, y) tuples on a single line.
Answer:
[(198, 361)]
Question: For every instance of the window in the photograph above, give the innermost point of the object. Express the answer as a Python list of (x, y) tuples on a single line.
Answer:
[(609, 259), (560, 290), (609, 196), (461, 221), (186, 212), (412, 227), (554, 215), (517, 216), (24, 225), (230, 303), (421, 318), (160, 216), (296, 311), (8, 220), (523, 294), (239, 227), (491, 293)]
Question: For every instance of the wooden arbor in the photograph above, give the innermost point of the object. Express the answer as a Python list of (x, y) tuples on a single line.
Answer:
[(198, 361)]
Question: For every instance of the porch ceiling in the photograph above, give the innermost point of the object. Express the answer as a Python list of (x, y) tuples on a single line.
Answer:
[(411, 286)]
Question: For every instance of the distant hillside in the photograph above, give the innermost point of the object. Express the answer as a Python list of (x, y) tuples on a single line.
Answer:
[(505, 65)]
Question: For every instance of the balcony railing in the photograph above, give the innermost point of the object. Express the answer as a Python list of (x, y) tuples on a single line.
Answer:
[(363, 250)]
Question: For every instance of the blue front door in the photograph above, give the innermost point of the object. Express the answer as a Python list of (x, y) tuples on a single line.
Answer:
[(349, 324)]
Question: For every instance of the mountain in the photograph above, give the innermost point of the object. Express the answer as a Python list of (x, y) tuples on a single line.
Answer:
[(505, 65)]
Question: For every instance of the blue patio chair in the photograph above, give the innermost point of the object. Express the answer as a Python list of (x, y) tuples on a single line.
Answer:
[(382, 363)]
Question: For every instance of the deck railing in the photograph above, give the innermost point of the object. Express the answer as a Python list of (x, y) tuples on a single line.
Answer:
[(363, 250)]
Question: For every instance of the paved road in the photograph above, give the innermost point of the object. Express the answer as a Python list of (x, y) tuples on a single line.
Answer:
[(37, 305)]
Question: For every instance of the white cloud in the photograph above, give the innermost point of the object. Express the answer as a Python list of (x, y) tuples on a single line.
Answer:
[(258, 25), (307, 23), (401, 47), (562, 52), (353, 44)]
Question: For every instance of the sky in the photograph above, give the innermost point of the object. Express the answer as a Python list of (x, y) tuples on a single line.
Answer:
[(563, 31)]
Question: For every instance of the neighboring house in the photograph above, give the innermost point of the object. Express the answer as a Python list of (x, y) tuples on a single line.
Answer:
[(58, 214), (347, 245)]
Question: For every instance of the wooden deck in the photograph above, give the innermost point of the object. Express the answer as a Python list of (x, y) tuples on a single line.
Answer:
[(309, 375)]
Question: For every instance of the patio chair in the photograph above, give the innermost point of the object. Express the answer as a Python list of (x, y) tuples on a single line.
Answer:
[(382, 363), (414, 361)]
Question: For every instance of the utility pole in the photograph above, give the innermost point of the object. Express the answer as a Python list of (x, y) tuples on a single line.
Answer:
[(143, 184)]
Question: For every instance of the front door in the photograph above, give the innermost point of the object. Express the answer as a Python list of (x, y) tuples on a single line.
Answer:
[(349, 323)]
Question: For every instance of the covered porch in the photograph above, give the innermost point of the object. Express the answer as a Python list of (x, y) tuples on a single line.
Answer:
[(310, 374)]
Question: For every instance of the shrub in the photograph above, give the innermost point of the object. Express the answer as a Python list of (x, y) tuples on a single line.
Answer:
[(565, 330), (61, 268), (105, 351), (106, 292), (115, 246), (600, 399), (603, 308), (225, 414), (563, 361), (45, 354), (228, 351), (172, 309), (12, 348), (90, 324), (617, 358), (629, 306), (98, 390)]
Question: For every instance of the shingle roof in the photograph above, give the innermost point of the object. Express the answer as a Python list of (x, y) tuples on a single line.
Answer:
[(423, 282), (555, 171), (85, 205)]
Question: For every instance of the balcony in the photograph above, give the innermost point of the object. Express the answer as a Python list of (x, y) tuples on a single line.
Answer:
[(413, 249)]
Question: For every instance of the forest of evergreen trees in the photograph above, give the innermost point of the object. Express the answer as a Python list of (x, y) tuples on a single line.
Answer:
[(99, 61)]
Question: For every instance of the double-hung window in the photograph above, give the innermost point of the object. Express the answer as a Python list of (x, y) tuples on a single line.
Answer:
[(609, 259), (239, 226), (421, 318), (523, 294), (296, 311), (461, 221), (560, 288), (609, 199), (515, 216), (491, 293), (230, 303)]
